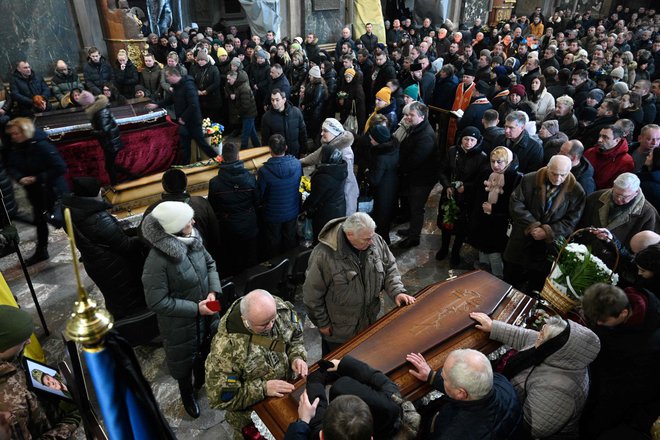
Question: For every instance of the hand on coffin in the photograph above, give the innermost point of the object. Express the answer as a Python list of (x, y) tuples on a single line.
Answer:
[(151, 106), (422, 368), (299, 367), (403, 299), (278, 388), (335, 363), (485, 323)]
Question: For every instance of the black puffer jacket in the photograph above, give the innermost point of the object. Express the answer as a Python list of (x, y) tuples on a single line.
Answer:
[(260, 76), (104, 124), (418, 162), (64, 82), (298, 75), (313, 106), (290, 124), (113, 260), (96, 74), (234, 198), (326, 201), (185, 100), (23, 89), (126, 79)]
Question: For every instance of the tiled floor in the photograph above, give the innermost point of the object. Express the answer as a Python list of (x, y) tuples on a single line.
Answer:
[(56, 290)]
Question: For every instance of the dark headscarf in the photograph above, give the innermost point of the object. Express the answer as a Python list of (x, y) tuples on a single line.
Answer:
[(535, 356)]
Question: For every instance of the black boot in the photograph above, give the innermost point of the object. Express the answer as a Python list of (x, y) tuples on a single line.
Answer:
[(188, 397), (444, 248), (40, 254)]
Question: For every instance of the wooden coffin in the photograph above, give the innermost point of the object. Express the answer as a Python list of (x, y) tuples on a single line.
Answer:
[(435, 325), (132, 198), (72, 124)]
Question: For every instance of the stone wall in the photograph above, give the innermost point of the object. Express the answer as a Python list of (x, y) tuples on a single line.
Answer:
[(40, 31), (326, 24)]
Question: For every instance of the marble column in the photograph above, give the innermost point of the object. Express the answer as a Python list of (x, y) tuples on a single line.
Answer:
[(39, 31)]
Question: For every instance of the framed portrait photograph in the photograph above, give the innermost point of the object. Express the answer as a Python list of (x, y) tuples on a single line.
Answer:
[(42, 378)]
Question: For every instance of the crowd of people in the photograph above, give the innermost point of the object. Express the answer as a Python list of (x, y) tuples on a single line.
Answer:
[(553, 128)]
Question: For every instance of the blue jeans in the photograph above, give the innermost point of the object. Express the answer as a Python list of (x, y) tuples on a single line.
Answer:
[(189, 132), (249, 132)]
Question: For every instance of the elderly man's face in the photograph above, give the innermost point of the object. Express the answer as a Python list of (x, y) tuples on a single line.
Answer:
[(622, 196), (346, 33), (558, 172), (413, 118), (361, 239), (606, 139), (512, 130)]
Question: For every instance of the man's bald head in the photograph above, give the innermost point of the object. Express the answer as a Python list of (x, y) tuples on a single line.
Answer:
[(558, 169), (642, 240), (259, 311)]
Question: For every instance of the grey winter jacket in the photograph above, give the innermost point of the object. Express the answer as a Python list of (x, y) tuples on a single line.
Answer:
[(176, 278), (343, 143), (338, 292), (554, 392)]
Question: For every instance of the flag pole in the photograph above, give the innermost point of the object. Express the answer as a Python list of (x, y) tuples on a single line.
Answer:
[(88, 323)]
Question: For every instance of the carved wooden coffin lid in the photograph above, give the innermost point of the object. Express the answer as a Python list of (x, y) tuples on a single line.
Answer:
[(435, 325)]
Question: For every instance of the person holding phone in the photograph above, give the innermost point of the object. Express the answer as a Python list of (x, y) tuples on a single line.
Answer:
[(180, 285)]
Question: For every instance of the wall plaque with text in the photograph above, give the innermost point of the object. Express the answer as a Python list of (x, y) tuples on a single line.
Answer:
[(326, 5)]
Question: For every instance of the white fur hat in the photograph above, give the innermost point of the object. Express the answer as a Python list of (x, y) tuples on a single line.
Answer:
[(173, 216)]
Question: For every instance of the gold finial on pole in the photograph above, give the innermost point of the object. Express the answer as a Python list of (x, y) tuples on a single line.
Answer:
[(88, 323)]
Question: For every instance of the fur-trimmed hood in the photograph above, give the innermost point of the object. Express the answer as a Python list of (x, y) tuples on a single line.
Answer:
[(99, 103), (167, 244), (342, 141)]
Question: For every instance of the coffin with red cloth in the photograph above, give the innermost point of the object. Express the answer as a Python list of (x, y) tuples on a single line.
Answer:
[(150, 140)]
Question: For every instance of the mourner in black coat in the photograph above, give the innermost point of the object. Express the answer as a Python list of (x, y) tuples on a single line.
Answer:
[(383, 178), (234, 198), (112, 259)]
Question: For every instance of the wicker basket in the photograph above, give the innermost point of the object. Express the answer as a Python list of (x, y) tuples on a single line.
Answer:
[(559, 301)]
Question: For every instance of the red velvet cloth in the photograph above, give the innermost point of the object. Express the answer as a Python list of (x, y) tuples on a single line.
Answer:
[(145, 152)]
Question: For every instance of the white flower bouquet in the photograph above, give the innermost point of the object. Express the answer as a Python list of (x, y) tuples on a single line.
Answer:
[(575, 269)]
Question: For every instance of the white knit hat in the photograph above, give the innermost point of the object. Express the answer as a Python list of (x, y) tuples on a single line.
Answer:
[(333, 126), (173, 216)]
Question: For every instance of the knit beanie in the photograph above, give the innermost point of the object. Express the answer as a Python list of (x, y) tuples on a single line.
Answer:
[(412, 91), (380, 133), (503, 81), (221, 52), (333, 126), (184, 35), (472, 132), (263, 54), (174, 181), (500, 71), (384, 94), (236, 62), (15, 326), (172, 39), (86, 98), (349, 71), (552, 126), (173, 216), (315, 72), (86, 186), (202, 56), (414, 67), (617, 72), (519, 90), (596, 94), (621, 88)]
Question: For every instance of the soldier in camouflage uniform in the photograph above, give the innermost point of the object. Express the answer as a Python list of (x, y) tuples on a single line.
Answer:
[(29, 417), (258, 347)]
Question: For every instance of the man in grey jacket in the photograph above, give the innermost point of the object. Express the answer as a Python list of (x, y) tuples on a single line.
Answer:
[(347, 270)]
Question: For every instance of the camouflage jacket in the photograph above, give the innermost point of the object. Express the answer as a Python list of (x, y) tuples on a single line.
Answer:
[(30, 417), (239, 365)]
